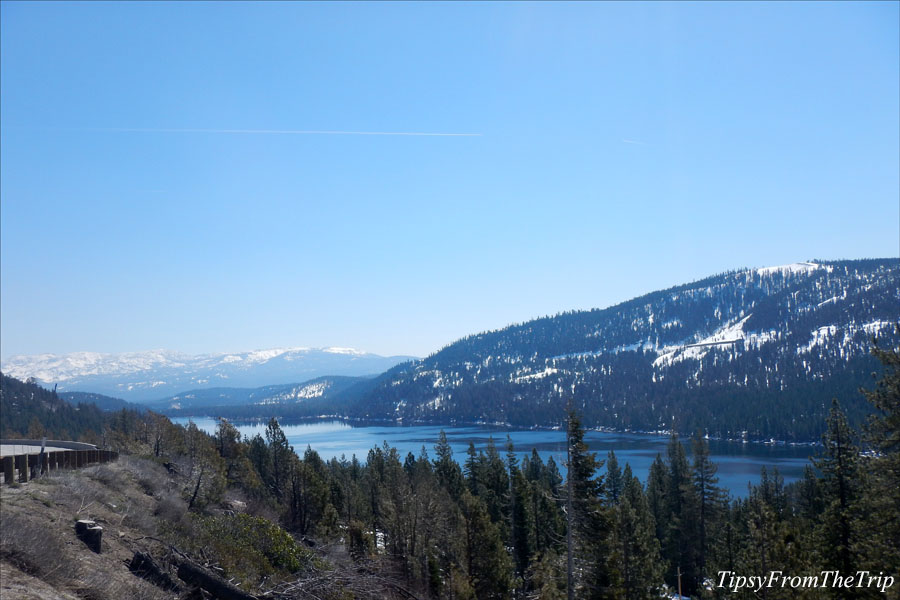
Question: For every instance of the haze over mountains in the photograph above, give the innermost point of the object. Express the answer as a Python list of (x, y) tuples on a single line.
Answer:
[(153, 375)]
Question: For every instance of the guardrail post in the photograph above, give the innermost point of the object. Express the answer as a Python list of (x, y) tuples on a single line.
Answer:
[(9, 470), (22, 467)]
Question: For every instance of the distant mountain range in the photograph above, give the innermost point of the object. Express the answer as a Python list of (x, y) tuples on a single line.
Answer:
[(193, 402), (757, 353), (155, 375)]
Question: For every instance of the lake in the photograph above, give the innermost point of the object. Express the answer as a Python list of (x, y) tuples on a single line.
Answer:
[(739, 464)]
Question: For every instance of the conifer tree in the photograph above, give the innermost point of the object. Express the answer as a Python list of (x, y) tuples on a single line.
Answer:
[(614, 481), (590, 521), (682, 539), (710, 497), (657, 490), (883, 492), (521, 515), (280, 453), (473, 470), (487, 563), (641, 565), (840, 470), (446, 469)]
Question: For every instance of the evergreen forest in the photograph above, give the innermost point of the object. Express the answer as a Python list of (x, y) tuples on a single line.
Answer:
[(490, 526)]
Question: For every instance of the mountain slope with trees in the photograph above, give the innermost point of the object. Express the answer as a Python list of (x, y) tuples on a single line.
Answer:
[(282, 525), (759, 351)]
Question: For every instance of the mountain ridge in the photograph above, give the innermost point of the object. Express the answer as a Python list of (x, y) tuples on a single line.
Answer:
[(758, 351), (753, 353), (156, 374)]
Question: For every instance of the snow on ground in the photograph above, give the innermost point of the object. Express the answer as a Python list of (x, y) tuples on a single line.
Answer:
[(315, 390), (822, 335), (819, 337), (538, 375), (336, 350), (725, 336), (800, 267), (261, 356), (64, 367)]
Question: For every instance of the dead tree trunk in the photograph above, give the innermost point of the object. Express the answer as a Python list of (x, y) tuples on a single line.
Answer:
[(196, 575)]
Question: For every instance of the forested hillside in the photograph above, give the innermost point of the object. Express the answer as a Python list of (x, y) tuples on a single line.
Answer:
[(27, 410), (105, 403), (491, 528), (760, 351)]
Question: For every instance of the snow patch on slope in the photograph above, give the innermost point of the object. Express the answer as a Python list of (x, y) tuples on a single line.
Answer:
[(800, 267), (727, 335), (823, 335)]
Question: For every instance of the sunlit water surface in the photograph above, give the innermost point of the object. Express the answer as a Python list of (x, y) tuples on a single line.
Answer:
[(739, 464)]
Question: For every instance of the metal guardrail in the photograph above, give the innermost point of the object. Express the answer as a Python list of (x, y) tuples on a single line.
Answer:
[(54, 443), (23, 467)]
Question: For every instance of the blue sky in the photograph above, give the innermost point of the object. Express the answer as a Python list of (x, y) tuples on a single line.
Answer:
[(621, 148)]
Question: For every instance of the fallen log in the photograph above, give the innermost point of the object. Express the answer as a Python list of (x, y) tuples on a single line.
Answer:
[(194, 574), (145, 567)]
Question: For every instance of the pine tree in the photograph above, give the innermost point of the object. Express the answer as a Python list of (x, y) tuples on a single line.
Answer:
[(280, 453), (641, 565), (614, 481), (487, 563), (495, 492), (473, 470), (590, 522), (521, 515), (682, 537), (446, 469), (657, 491), (710, 497), (841, 484), (882, 495)]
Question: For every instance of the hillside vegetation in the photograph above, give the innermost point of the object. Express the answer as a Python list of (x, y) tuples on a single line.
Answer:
[(262, 520)]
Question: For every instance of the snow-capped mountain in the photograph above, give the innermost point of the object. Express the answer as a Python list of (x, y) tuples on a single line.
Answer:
[(153, 375), (757, 350)]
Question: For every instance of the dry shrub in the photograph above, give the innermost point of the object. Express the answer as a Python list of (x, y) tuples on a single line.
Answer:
[(171, 508), (36, 548), (105, 585), (151, 476), (141, 520), (110, 475), (82, 496), (39, 549)]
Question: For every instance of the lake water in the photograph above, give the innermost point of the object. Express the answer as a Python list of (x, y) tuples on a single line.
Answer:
[(739, 464)]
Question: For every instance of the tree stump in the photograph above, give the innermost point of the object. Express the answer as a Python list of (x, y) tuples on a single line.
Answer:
[(90, 533)]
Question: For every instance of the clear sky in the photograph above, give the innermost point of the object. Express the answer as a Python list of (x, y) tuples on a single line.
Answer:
[(146, 201)]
